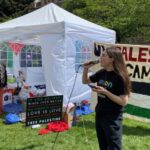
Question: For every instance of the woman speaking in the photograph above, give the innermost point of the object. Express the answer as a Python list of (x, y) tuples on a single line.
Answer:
[(113, 89)]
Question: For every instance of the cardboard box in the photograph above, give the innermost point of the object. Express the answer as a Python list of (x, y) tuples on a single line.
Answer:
[(67, 118)]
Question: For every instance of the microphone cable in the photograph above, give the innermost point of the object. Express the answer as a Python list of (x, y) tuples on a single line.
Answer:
[(53, 146)]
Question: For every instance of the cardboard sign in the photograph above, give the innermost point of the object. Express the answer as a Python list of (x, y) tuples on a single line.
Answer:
[(41, 110)]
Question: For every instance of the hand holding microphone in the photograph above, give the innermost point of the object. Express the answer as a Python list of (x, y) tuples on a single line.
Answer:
[(90, 63), (86, 66)]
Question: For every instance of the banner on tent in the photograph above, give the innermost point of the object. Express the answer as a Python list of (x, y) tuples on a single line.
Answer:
[(41, 110), (137, 58)]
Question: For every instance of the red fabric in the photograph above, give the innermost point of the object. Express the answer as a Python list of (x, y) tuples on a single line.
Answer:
[(43, 131), (85, 102), (31, 95), (58, 126)]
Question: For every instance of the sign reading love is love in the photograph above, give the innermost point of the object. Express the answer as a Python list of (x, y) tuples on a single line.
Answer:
[(15, 47)]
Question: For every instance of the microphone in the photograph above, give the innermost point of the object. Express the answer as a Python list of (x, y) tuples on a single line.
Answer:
[(92, 62)]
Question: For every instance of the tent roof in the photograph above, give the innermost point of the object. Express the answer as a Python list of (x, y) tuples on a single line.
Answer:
[(42, 19)]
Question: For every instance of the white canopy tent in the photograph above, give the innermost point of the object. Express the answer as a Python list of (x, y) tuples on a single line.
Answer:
[(61, 35)]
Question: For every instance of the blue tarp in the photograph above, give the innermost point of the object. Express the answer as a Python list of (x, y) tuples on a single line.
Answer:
[(13, 108), (83, 110)]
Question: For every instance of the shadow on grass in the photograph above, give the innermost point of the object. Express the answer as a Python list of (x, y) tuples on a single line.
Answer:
[(127, 130), (26, 148), (139, 131), (88, 124), (2, 116)]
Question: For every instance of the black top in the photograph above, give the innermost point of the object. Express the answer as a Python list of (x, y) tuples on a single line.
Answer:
[(113, 83)]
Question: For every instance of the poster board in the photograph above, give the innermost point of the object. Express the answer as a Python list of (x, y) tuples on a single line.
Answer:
[(41, 110)]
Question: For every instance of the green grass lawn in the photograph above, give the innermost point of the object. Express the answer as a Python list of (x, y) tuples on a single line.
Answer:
[(136, 136)]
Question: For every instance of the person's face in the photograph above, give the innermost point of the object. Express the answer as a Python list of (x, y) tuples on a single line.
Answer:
[(105, 60)]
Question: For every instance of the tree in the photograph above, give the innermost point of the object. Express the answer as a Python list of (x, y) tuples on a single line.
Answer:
[(130, 19), (13, 8)]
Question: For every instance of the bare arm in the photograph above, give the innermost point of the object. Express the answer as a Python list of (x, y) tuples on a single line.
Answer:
[(121, 99), (85, 78)]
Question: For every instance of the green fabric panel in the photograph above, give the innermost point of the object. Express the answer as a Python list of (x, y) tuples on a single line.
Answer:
[(137, 111)]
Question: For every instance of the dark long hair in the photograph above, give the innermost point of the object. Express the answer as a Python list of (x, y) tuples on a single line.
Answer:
[(120, 66)]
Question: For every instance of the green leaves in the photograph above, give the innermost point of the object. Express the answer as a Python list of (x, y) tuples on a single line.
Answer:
[(130, 19), (13, 8), (74, 4)]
